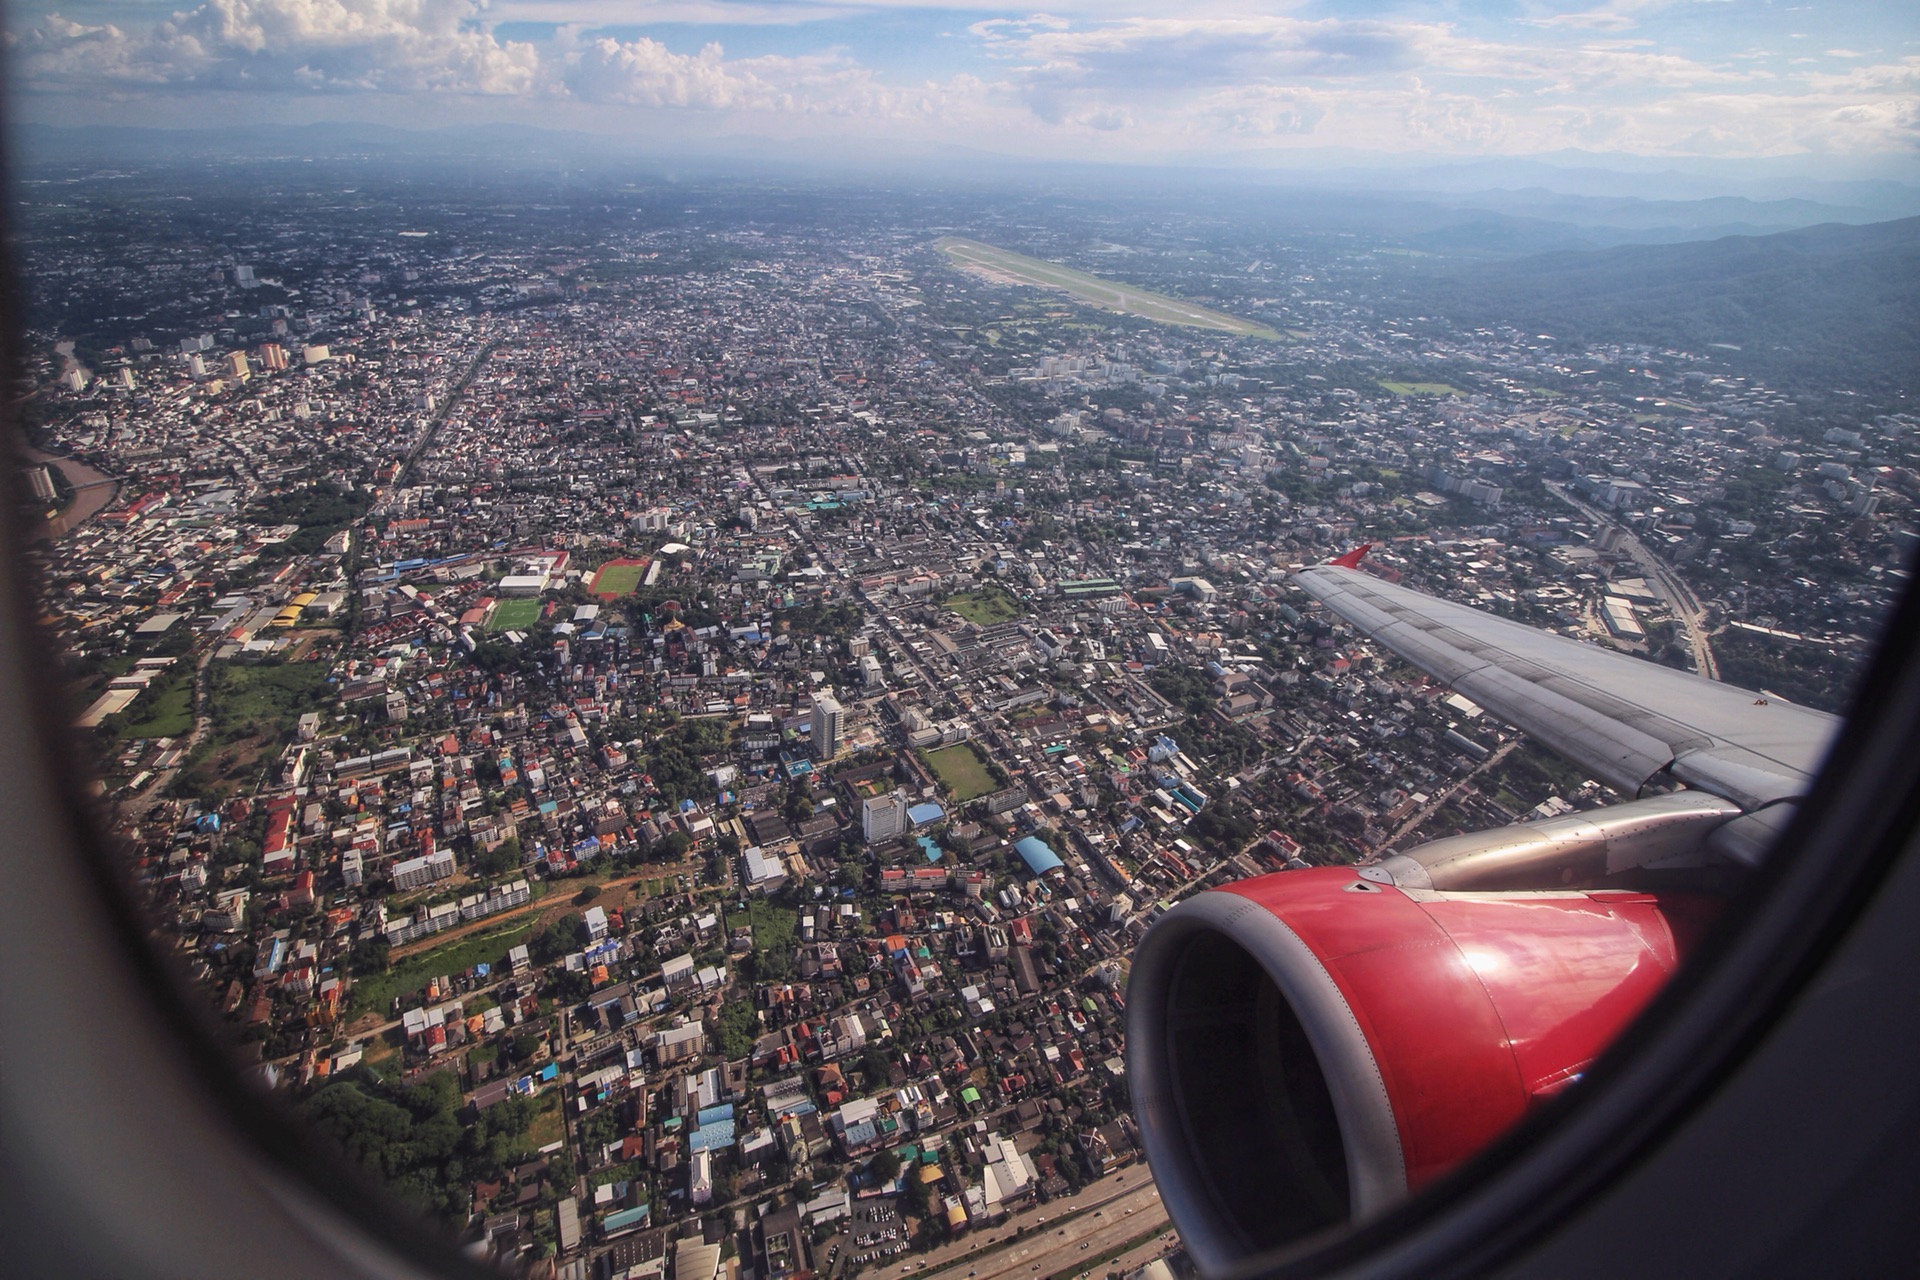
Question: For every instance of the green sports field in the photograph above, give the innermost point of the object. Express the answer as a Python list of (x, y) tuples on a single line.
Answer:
[(514, 615), (618, 577), (962, 769), (985, 606)]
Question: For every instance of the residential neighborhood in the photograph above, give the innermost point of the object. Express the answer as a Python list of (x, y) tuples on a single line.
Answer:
[(660, 739)]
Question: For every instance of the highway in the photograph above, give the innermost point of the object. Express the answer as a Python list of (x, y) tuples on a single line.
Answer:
[(1093, 1227), (1686, 607)]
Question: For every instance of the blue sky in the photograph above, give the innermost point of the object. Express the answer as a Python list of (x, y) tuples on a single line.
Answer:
[(1216, 79)]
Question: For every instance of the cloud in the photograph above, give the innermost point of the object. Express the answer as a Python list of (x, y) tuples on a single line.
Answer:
[(1263, 112), (1211, 76), (647, 73), (388, 45), (1186, 52)]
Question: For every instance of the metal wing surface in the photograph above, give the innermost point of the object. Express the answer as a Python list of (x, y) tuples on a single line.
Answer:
[(1624, 718)]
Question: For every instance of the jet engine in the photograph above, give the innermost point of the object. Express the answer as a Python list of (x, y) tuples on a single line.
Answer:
[(1310, 1047)]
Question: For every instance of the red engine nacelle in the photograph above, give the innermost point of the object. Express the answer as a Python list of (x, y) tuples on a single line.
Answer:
[(1310, 1047)]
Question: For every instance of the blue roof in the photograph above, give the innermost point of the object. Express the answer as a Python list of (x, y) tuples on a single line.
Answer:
[(709, 1137), (715, 1129), (1039, 857), (924, 813), (625, 1218)]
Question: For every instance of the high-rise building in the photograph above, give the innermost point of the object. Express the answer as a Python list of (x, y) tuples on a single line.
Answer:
[(237, 366), (273, 356), (41, 482), (827, 719), (884, 817)]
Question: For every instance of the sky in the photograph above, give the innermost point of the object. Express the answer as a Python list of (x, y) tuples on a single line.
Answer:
[(1216, 81)]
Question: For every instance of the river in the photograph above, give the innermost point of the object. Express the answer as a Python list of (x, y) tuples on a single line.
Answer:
[(92, 492)]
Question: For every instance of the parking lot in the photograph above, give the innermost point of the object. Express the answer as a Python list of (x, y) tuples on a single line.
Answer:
[(874, 1235)]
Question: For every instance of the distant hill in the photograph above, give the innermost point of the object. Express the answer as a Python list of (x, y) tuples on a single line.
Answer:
[(1831, 302)]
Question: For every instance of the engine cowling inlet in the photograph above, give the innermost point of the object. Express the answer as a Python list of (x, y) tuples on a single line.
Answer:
[(1310, 1047)]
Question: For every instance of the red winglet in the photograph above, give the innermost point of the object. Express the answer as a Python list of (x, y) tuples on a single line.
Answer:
[(1352, 559)]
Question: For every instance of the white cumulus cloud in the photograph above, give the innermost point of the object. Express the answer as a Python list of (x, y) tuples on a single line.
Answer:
[(389, 45)]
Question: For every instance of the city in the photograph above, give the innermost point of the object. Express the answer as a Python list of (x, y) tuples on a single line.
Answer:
[(656, 714)]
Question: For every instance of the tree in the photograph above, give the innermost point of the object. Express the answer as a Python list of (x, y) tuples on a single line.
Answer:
[(562, 936), (885, 1165), (369, 955), (500, 859), (916, 1195)]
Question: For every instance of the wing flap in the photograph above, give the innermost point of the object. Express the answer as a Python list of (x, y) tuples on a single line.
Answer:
[(1621, 717)]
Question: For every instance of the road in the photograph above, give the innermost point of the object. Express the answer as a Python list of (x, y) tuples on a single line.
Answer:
[(1098, 1224), (652, 871), (137, 803), (1685, 605), (1432, 806)]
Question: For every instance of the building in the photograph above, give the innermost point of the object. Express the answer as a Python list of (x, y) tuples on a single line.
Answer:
[(764, 872), (1038, 855), (884, 817), (522, 585), (692, 1258), (1621, 620), (1009, 1175), (828, 723), (415, 872), (678, 973), (40, 480), (677, 1044)]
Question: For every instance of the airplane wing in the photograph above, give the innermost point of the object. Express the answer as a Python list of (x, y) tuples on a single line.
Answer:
[(1624, 718)]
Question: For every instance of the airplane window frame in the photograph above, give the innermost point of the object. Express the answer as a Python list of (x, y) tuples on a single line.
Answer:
[(1844, 841)]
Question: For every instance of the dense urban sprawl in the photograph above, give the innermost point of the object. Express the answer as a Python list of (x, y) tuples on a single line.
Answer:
[(659, 732)]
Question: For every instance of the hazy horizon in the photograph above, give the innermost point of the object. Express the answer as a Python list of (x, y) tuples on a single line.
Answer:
[(1726, 89)]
